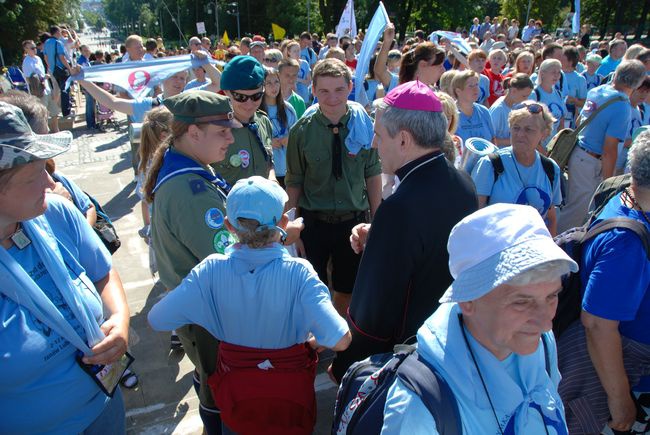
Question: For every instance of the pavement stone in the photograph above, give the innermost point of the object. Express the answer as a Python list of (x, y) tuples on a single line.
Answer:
[(164, 402)]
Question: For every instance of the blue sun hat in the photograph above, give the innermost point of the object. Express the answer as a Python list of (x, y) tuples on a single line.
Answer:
[(257, 198), (495, 244)]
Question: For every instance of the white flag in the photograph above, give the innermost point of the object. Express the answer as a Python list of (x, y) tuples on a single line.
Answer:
[(139, 78), (348, 22), (453, 37), (368, 47)]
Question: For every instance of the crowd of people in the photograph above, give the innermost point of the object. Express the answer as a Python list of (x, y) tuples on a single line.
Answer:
[(269, 194)]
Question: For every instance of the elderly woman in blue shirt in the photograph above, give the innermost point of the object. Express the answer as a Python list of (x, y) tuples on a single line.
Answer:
[(526, 177), (490, 340)]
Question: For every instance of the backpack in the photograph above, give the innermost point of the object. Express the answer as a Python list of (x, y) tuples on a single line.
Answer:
[(361, 397), (497, 165), (605, 191), (564, 142), (571, 241)]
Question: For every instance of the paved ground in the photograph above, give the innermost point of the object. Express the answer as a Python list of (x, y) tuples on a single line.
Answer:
[(164, 401)]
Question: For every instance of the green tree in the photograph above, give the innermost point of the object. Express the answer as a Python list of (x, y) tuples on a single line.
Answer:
[(26, 19)]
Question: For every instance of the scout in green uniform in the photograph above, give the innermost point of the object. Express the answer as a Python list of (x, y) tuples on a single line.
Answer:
[(189, 205), (333, 185), (251, 153)]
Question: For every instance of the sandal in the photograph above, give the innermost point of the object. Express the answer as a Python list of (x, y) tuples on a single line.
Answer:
[(129, 379)]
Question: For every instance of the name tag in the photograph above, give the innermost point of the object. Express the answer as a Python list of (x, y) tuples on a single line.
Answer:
[(107, 377)]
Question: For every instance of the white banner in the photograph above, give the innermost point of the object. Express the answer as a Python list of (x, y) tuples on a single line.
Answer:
[(374, 32), (455, 38), (200, 27), (348, 22), (139, 78)]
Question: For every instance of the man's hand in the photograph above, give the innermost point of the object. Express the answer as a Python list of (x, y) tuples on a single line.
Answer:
[(623, 412), (200, 55), (111, 348), (293, 230), (358, 237)]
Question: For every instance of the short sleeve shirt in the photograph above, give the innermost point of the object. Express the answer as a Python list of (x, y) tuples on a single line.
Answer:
[(281, 131), (499, 112), (555, 104), (593, 81), (309, 165), (247, 156), (613, 121), (484, 89), (479, 124), (518, 184)]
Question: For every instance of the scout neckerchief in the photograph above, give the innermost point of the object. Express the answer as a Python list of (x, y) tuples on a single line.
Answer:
[(175, 164), (337, 153), (21, 288), (254, 128)]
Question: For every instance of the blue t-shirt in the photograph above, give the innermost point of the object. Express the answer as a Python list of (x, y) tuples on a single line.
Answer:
[(79, 197), (593, 81), (308, 55), (555, 104), (499, 112), (371, 91), (616, 276), (560, 86), (607, 66), (280, 131), (576, 87), (614, 121), (261, 298), (193, 84), (51, 47), (477, 125), (38, 371), (483, 89), (303, 72), (394, 81), (517, 184), (635, 122)]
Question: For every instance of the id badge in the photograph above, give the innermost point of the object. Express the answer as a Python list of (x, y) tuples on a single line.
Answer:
[(107, 377)]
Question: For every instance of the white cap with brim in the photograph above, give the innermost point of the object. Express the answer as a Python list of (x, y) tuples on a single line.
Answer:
[(495, 244)]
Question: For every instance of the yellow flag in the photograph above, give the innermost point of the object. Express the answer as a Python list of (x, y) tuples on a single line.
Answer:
[(225, 38), (278, 32)]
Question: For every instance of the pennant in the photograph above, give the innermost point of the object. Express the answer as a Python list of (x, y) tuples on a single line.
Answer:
[(225, 38), (139, 78), (375, 30), (348, 22), (278, 32), (575, 23), (455, 38)]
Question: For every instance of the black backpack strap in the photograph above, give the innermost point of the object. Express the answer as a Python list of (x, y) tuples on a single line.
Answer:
[(497, 165), (418, 376), (633, 225), (547, 358), (537, 93), (549, 170)]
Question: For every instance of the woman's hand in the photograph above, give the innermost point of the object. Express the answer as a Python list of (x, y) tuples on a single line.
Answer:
[(113, 346)]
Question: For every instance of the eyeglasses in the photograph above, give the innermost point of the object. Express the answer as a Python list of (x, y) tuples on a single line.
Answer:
[(32, 48), (533, 108), (267, 59), (242, 98)]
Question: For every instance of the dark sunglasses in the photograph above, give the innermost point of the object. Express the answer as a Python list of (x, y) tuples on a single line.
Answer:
[(267, 59), (533, 108), (242, 98)]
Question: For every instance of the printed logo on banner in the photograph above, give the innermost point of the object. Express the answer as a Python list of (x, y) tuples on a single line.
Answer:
[(138, 79)]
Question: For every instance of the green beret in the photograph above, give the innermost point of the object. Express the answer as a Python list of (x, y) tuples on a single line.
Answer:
[(242, 72), (200, 107)]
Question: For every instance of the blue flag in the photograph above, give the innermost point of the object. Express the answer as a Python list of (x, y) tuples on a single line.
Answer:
[(375, 30), (575, 23)]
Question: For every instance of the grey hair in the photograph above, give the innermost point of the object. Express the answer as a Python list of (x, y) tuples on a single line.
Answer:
[(252, 237), (630, 73), (429, 129), (639, 157), (545, 272)]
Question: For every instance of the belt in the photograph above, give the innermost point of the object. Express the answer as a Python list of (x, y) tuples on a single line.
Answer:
[(330, 217), (591, 153)]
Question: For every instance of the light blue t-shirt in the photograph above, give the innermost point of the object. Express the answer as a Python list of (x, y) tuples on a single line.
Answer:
[(38, 371), (394, 81), (576, 86), (561, 84), (607, 66), (517, 184), (635, 122), (477, 125), (54, 46), (614, 121), (260, 298), (593, 81), (192, 84), (484, 89), (280, 131), (303, 72), (309, 55), (79, 198), (499, 112), (555, 104)]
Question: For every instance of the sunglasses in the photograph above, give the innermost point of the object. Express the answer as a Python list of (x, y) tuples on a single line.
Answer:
[(242, 98), (267, 59), (533, 108)]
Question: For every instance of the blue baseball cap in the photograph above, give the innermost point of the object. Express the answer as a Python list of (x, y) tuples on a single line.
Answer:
[(257, 198)]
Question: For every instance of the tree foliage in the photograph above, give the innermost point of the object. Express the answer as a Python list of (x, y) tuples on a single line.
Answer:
[(26, 19)]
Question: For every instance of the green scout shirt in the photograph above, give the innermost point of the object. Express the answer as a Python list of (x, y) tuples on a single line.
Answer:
[(244, 157), (297, 103), (187, 226), (309, 166)]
